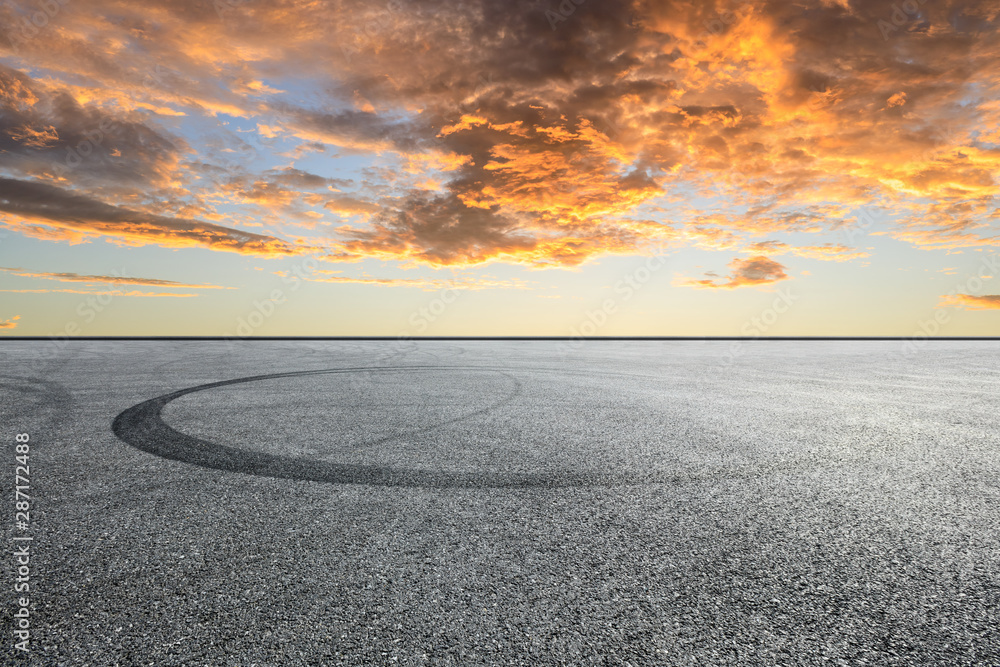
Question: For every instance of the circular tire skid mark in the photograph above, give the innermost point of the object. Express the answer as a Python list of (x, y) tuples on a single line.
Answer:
[(142, 427)]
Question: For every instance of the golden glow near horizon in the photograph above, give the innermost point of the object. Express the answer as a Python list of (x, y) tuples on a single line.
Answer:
[(527, 155)]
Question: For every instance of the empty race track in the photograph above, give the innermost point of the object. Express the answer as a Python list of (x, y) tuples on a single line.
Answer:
[(511, 502)]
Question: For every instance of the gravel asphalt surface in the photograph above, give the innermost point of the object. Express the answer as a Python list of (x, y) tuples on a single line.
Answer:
[(507, 502)]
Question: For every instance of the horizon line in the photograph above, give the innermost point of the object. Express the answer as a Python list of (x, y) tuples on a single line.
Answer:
[(484, 338)]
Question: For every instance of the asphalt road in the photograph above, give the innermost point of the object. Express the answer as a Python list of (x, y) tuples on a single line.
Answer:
[(507, 503)]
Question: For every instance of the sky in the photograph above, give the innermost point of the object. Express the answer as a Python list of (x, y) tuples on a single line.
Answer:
[(570, 168)]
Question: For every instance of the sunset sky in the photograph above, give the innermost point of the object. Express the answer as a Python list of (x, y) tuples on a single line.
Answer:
[(499, 167)]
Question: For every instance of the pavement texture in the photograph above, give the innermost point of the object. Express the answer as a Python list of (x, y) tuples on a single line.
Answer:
[(507, 502)]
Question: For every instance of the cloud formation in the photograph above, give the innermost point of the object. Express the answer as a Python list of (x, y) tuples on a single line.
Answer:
[(112, 279), (10, 323), (46, 211), (46, 132), (500, 134), (97, 292), (748, 272), (972, 302)]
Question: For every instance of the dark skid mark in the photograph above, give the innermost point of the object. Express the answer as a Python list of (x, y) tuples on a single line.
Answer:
[(142, 426)]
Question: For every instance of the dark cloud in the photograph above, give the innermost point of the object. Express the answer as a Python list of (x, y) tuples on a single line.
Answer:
[(58, 213), (303, 180), (44, 131), (438, 231)]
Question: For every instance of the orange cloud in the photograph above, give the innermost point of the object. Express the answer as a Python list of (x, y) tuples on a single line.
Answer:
[(972, 302), (897, 100), (112, 293), (30, 137), (118, 280), (758, 270), (350, 206), (11, 323), (733, 111)]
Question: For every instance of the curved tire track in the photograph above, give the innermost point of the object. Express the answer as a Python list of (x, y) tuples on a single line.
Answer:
[(142, 426)]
